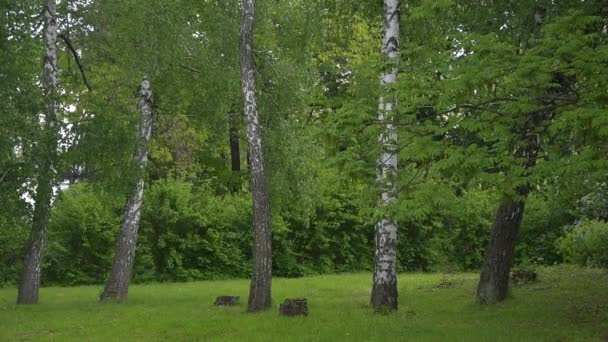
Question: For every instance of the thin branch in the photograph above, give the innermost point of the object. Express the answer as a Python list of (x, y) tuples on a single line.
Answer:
[(68, 43), (190, 69), (3, 175)]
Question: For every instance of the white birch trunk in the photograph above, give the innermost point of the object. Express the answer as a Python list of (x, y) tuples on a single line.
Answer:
[(261, 277), (47, 154), (117, 287), (384, 292)]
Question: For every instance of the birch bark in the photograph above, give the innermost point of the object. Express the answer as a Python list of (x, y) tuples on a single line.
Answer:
[(384, 291), (261, 277), (117, 287), (46, 160)]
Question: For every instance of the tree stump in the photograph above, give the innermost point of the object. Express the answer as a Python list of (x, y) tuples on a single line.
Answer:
[(226, 300), (294, 307), (520, 276)]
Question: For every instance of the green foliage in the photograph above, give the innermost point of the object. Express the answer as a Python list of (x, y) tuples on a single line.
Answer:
[(585, 243), (83, 228), (542, 225), (13, 236), (191, 235)]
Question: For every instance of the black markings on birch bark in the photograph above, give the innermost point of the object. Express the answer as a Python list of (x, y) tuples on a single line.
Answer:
[(117, 287), (384, 291), (261, 277), (29, 283)]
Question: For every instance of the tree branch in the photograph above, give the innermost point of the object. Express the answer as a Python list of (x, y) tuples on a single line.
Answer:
[(68, 43)]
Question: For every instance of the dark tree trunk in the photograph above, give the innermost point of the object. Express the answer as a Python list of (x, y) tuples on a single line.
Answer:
[(494, 279), (46, 152), (117, 287), (235, 150), (261, 278), (235, 146), (384, 291)]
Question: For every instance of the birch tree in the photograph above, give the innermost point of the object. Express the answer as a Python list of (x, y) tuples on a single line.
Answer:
[(261, 278), (384, 292), (46, 156), (117, 286)]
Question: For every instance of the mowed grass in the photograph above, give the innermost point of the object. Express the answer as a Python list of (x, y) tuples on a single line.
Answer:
[(566, 304)]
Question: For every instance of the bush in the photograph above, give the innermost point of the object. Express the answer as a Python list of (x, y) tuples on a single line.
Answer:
[(189, 234), (585, 244), (13, 238), (82, 233)]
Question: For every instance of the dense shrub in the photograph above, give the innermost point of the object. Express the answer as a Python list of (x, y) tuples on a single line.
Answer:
[(541, 227), (82, 233), (13, 237), (191, 234), (585, 243)]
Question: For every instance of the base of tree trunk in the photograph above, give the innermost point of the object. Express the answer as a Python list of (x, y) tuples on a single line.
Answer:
[(494, 279), (226, 300), (294, 307), (385, 297), (112, 294), (259, 297)]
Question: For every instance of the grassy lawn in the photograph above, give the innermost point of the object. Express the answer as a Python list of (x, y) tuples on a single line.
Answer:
[(566, 304)]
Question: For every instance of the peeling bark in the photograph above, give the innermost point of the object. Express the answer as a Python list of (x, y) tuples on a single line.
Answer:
[(117, 287), (384, 291), (47, 154), (261, 278)]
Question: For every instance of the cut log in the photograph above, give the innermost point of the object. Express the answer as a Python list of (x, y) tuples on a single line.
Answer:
[(226, 300), (520, 277), (294, 307)]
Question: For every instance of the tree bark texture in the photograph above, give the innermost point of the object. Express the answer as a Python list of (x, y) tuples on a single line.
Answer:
[(494, 279), (46, 159), (261, 278), (117, 287), (384, 291)]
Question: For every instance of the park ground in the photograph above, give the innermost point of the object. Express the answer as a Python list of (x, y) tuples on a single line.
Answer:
[(566, 304)]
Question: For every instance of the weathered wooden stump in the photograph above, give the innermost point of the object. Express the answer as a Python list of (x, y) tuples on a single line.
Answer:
[(520, 276), (294, 307), (226, 300)]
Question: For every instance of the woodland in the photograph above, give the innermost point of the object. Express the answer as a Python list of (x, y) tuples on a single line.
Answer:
[(196, 142)]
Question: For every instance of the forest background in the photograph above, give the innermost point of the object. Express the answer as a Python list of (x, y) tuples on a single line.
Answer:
[(467, 71)]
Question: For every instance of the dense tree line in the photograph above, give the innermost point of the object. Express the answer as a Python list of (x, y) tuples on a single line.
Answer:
[(329, 135)]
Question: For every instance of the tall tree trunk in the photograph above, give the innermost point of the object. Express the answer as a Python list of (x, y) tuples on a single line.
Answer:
[(46, 154), (494, 278), (261, 278), (384, 292), (117, 287)]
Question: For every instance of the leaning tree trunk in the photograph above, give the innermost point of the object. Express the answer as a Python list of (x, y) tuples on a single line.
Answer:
[(46, 154), (494, 278), (261, 278), (117, 286), (384, 292)]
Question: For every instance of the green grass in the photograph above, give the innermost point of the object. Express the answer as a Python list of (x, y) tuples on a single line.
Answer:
[(567, 304)]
